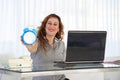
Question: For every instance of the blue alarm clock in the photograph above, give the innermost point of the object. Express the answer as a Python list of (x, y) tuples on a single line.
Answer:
[(29, 36)]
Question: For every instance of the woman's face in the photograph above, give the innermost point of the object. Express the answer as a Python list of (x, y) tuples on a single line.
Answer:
[(52, 26)]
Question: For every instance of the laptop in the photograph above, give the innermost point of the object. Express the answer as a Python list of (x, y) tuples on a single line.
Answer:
[(85, 47)]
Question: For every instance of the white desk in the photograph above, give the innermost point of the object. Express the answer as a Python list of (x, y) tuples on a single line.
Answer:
[(53, 69)]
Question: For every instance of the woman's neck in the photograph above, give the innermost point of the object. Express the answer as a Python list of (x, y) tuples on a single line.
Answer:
[(50, 40)]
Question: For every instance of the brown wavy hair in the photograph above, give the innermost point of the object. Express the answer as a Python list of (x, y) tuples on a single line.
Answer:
[(42, 33)]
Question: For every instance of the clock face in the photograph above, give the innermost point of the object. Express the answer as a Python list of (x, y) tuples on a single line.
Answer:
[(29, 37)]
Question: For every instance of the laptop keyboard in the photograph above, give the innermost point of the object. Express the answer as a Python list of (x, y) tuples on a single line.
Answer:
[(79, 65)]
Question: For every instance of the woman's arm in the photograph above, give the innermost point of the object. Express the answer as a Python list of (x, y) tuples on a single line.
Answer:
[(32, 48)]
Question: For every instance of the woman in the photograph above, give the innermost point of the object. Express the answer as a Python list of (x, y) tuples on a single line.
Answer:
[(49, 47)]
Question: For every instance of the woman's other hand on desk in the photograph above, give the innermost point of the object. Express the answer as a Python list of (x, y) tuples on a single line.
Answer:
[(117, 61)]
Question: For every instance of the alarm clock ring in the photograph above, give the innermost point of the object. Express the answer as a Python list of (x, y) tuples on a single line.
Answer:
[(29, 36)]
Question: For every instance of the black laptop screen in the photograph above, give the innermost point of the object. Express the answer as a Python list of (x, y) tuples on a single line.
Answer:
[(86, 46)]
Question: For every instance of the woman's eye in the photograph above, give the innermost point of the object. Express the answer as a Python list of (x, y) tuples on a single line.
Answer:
[(55, 24), (50, 23)]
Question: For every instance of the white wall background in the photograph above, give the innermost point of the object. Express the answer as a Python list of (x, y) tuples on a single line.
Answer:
[(75, 14)]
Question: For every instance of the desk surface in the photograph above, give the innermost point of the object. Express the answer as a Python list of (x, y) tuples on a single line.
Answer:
[(59, 68)]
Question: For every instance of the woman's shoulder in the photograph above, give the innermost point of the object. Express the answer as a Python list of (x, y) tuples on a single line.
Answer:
[(59, 41)]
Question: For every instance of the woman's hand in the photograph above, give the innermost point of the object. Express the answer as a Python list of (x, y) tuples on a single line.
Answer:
[(31, 48)]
